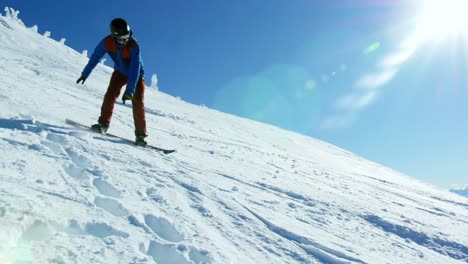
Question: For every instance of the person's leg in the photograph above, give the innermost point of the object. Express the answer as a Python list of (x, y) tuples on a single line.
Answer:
[(116, 83), (138, 105)]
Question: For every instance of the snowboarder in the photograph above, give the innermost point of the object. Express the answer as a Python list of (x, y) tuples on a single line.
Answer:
[(128, 69)]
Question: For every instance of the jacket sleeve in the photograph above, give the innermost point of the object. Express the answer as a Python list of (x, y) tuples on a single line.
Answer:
[(134, 70), (98, 53)]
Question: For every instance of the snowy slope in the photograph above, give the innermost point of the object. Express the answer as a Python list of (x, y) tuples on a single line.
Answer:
[(236, 191)]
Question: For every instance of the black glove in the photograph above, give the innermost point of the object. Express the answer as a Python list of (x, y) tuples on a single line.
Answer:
[(126, 96), (82, 79)]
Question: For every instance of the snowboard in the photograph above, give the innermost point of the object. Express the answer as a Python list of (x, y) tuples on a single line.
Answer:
[(85, 127)]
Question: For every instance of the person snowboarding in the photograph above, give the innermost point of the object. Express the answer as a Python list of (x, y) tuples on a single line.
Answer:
[(128, 69)]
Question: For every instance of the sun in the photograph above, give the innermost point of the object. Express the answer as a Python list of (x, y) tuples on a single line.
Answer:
[(443, 18)]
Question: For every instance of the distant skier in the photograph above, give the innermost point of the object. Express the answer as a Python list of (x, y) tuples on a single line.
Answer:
[(128, 69)]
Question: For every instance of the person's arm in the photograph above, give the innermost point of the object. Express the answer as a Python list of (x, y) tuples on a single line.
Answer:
[(98, 53)]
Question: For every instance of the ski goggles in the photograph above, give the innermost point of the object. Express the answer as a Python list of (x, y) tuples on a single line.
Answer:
[(122, 39)]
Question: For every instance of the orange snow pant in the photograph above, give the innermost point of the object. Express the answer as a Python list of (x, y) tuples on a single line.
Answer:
[(116, 83)]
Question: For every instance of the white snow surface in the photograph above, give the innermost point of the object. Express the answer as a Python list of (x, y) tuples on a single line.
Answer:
[(236, 191)]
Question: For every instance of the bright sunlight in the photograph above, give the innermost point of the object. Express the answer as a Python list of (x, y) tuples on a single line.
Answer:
[(443, 18)]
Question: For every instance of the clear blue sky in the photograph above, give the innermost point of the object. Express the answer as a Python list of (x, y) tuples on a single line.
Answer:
[(373, 77)]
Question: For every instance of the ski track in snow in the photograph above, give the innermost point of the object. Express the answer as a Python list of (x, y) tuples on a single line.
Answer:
[(55, 140), (236, 191)]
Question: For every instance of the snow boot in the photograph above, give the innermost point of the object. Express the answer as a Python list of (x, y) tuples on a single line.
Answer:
[(140, 141), (100, 128)]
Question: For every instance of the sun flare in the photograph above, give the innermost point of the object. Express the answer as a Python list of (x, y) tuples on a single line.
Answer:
[(443, 18)]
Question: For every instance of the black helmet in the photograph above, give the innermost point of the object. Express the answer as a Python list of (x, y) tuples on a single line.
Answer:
[(119, 27)]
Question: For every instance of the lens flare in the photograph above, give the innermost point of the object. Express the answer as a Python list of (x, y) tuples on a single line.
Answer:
[(19, 253), (373, 47)]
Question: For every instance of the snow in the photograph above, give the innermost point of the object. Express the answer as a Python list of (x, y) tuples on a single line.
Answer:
[(236, 191)]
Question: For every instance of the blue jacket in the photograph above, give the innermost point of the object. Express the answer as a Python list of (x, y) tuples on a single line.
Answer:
[(127, 60)]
